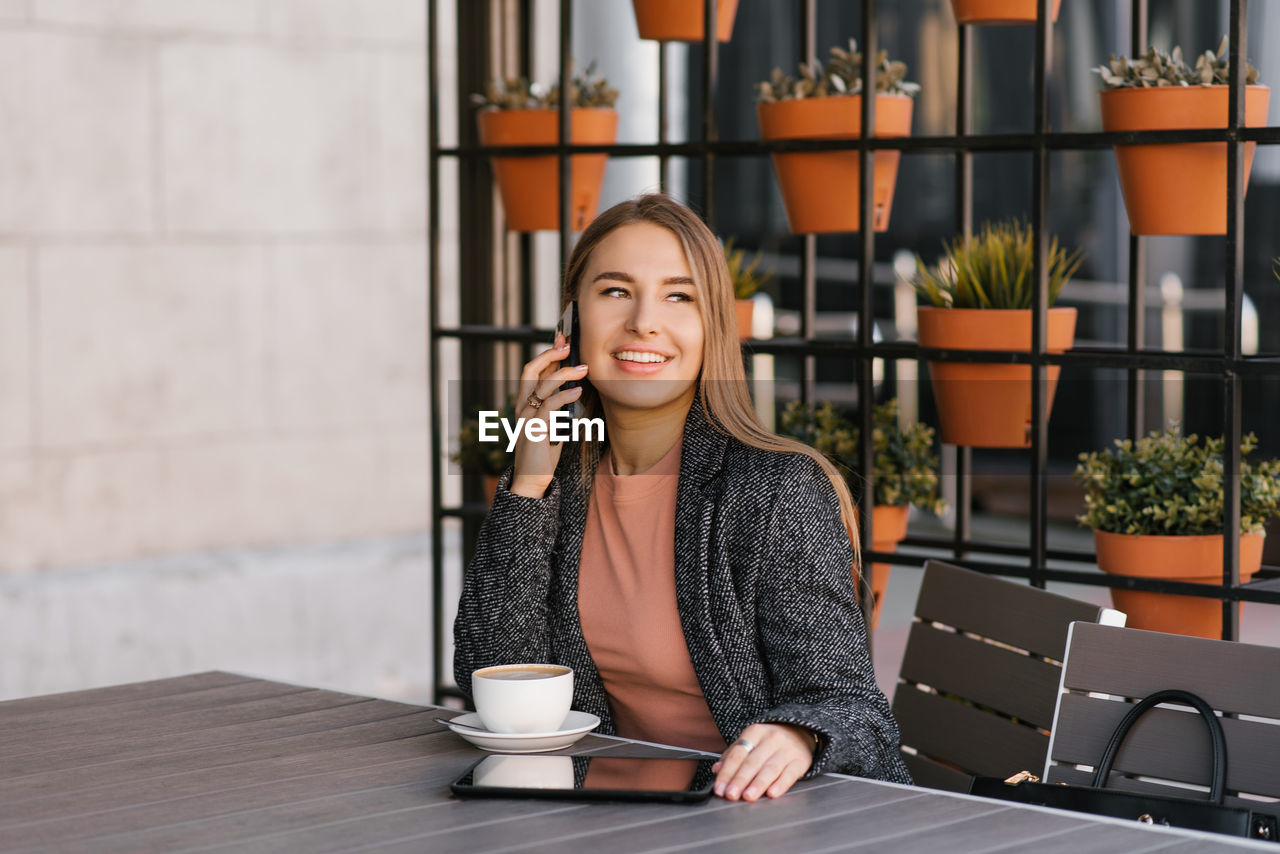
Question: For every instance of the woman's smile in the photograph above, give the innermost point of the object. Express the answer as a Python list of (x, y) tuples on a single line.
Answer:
[(642, 360)]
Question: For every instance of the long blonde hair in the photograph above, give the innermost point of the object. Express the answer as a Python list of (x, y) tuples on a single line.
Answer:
[(722, 383)]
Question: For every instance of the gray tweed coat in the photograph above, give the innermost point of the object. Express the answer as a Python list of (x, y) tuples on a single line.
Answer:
[(763, 585)]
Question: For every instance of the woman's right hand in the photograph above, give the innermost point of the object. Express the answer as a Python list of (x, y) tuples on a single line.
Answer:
[(535, 462)]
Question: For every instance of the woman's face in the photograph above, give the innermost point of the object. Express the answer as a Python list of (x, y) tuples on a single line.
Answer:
[(640, 319)]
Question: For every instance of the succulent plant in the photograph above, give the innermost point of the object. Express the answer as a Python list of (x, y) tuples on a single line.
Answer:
[(904, 461), (1171, 484), (1158, 68), (746, 281), (992, 269), (517, 93), (841, 76)]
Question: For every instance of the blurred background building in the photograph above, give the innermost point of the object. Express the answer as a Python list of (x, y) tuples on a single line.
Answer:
[(212, 342)]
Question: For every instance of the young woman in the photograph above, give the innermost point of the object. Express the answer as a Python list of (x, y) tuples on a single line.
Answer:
[(695, 571)]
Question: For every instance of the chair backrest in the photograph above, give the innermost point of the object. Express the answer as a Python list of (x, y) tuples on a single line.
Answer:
[(980, 675), (1106, 666)]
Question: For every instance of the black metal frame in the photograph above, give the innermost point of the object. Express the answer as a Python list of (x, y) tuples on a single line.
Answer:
[(1230, 365)]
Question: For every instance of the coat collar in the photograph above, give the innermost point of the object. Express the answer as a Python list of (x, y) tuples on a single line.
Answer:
[(703, 450)]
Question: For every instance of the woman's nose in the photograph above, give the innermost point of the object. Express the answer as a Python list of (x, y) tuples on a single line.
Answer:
[(643, 319)]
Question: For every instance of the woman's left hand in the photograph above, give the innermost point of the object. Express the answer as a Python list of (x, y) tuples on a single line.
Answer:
[(780, 754)]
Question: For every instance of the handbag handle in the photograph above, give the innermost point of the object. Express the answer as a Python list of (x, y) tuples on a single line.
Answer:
[(1218, 740)]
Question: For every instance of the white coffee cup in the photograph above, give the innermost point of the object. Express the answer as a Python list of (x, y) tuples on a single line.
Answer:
[(522, 697)]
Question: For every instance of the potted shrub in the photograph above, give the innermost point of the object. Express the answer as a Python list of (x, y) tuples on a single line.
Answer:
[(488, 459), (1176, 188), (746, 281), (905, 471), (681, 20), (999, 11), (820, 188), (979, 298), (517, 112), (1155, 507)]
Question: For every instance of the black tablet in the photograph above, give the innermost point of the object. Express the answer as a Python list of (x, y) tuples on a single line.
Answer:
[(588, 778)]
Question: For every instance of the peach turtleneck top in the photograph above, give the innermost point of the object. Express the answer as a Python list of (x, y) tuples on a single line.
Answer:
[(627, 606)]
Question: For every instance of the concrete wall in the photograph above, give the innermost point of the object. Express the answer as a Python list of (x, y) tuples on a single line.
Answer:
[(212, 317)]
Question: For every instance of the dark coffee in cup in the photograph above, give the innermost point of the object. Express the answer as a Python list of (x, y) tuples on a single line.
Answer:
[(523, 673)]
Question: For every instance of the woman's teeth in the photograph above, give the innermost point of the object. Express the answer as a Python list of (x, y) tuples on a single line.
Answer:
[(633, 356)]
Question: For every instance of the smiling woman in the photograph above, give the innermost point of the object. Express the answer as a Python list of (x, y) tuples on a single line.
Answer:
[(696, 571)]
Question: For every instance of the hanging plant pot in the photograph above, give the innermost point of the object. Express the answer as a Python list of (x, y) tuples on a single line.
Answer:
[(530, 185), (1195, 559), (820, 189), (490, 487), (681, 20), (746, 313), (1178, 188), (889, 527), (999, 11), (984, 405)]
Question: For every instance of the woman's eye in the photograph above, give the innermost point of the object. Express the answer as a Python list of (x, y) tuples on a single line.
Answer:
[(680, 296), (614, 291)]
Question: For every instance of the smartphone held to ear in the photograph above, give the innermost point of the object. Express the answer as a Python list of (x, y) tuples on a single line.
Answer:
[(568, 327)]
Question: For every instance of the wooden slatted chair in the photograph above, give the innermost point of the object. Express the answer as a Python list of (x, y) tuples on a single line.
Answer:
[(1168, 746), (980, 674)]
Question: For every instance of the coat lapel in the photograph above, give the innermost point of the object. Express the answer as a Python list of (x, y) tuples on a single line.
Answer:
[(589, 695), (702, 457)]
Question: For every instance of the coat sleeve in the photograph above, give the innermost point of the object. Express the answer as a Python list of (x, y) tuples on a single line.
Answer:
[(814, 637), (503, 613)]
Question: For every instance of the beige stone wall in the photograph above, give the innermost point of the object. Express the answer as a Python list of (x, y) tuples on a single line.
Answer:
[(212, 275)]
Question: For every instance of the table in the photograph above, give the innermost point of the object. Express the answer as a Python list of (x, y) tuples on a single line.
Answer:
[(225, 762)]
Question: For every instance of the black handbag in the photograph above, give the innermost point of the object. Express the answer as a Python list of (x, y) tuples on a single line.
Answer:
[(1211, 815)]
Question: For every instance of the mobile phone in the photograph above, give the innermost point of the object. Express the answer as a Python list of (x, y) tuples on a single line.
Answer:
[(568, 327), (589, 778)]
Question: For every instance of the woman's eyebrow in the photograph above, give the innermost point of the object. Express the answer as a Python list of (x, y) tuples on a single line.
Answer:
[(627, 277)]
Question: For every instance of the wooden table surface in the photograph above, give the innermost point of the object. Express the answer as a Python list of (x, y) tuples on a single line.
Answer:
[(222, 762)]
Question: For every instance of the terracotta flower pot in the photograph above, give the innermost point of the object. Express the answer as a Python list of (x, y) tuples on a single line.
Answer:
[(999, 11), (490, 487), (681, 20), (820, 189), (889, 526), (1192, 559), (746, 312), (1179, 188), (980, 404), (530, 185)]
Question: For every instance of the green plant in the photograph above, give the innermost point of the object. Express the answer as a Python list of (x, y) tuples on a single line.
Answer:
[(487, 458), (1158, 68), (904, 463), (1171, 484), (992, 269), (517, 93), (746, 281), (1276, 267), (841, 76)]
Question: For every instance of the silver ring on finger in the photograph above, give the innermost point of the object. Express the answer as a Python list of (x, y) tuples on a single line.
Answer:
[(745, 745), (534, 401)]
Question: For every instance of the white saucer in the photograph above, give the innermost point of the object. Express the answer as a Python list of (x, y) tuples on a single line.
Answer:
[(575, 726)]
